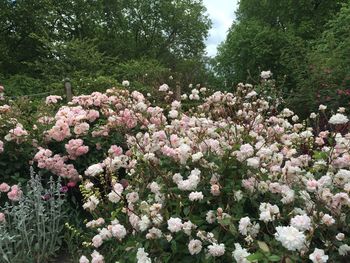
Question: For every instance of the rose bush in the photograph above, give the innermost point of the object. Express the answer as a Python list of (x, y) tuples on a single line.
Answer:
[(235, 178)]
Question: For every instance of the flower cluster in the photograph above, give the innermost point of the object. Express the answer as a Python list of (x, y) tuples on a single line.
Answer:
[(14, 192), (76, 148), (17, 134), (232, 171), (56, 164), (52, 99)]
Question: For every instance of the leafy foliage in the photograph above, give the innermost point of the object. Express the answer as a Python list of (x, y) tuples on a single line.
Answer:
[(33, 228), (48, 41), (304, 43)]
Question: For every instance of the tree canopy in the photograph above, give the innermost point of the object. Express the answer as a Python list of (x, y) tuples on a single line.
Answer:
[(53, 39), (304, 43)]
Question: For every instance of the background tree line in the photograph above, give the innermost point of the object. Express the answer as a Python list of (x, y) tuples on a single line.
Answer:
[(305, 43), (43, 41)]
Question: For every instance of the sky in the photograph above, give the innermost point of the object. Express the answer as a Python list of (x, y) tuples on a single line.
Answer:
[(221, 13)]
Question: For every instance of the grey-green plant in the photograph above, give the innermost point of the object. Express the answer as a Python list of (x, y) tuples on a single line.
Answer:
[(33, 228)]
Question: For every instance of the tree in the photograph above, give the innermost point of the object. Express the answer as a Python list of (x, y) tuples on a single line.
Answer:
[(328, 79), (47, 39), (21, 22), (273, 35), (161, 29)]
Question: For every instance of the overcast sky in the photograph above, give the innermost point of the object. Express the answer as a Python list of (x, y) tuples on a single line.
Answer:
[(221, 13)]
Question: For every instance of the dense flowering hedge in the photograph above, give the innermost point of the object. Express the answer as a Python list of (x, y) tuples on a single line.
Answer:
[(233, 180)]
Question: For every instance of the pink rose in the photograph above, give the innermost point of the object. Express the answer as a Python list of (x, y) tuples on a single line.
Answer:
[(4, 187), (15, 194)]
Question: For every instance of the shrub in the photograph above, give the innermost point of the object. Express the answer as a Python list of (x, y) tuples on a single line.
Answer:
[(234, 179)]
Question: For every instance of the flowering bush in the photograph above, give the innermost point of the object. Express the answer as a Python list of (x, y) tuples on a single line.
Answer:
[(19, 134), (232, 179)]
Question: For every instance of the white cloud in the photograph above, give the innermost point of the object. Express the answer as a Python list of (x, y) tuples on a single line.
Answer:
[(221, 13)]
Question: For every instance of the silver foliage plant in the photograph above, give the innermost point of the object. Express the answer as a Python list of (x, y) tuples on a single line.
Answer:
[(33, 228)]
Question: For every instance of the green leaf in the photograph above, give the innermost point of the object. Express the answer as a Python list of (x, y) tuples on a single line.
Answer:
[(263, 246), (255, 257), (173, 246), (233, 229), (320, 155), (225, 222), (274, 258), (186, 211)]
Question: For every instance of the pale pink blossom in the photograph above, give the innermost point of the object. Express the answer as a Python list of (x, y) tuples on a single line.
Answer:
[(52, 99), (216, 250), (194, 246), (195, 196), (174, 224), (15, 194), (75, 148), (318, 256), (4, 187)]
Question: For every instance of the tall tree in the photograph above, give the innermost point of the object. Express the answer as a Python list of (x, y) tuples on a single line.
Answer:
[(275, 35), (160, 29), (35, 31)]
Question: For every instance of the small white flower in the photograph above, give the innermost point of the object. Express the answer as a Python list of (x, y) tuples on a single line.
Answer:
[(83, 259), (322, 107), (327, 220), (290, 237), (301, 222), (144, 223), (154, 233), (265, 74), (126, 83), (91, 203), (318, 256), (97, 241), (88, 185), (197, 156), (341, 109), (97, 257), (195, 196), (113, 197), (244, 223), (118, 231), (338, 119), (210, 217), (174, 224), (216, 250), (142, 256), (238, 195), (195, 246), (94, 170), (240, 254), (253, 162), (340, 236), (173, 114), (268, 212), (154, 187), (313, 115), (164, 87)]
